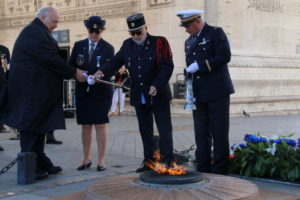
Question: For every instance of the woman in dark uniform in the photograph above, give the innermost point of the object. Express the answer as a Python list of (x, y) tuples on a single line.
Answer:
[(93, 101)]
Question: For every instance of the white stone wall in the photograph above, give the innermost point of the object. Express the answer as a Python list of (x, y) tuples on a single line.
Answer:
[(263, 35)]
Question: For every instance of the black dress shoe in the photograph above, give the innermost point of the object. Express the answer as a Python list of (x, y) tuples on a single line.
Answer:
[(1, 148), (100, 168), (41, 175), (85, 166), (53, 142), (54, 170), (142, 168)]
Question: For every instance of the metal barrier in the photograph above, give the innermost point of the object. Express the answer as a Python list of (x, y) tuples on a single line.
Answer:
[(179, 87), (69, 102)]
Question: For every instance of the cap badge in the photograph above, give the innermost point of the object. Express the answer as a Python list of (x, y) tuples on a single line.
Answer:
[(133, 24), (94, 26)]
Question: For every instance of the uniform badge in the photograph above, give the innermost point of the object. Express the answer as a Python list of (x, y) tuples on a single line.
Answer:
[(80, 59), (94, 26), (133, 24), (98, 58), (203, 42)]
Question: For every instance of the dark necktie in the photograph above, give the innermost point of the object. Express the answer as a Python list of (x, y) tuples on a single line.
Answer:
[(91, 51)]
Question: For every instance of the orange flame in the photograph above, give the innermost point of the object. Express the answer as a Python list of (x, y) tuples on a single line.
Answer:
[(161, 168)]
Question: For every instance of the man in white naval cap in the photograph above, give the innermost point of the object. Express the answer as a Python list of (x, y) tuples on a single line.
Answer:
[(207, 54)]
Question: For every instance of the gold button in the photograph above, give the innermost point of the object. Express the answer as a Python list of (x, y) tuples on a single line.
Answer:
[(150, 58), (139, 67), (139, 58), (198, 77), (140, 75), (204, 49), (194, 53), (141, 84)]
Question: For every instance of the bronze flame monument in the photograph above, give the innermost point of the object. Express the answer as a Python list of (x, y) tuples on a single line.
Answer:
[(209, 187)]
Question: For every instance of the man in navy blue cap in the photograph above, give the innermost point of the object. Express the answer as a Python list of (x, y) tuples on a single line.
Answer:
[(93, 101), (149, 61), (207, 54)]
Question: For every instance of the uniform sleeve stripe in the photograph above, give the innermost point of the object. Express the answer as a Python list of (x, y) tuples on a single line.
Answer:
[(208, 65)]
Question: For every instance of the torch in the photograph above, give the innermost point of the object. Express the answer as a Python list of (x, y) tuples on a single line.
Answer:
[(189, 95)]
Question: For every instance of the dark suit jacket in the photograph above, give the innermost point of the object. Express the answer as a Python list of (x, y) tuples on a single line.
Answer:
[(36, 81), (212, 53), (81, 51), (151, 64)]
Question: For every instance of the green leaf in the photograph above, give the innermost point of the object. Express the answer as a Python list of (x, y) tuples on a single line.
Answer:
[(252, 146), (291, 175), (248, 171), (258, 164), (284, 144), (297, 172), (290, 135), (263, 170), (249, 151), (261, 146), (272, 171), (283, 175)]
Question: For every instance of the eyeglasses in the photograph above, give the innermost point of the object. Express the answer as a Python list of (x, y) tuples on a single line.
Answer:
[(91, 31), (132, 33)]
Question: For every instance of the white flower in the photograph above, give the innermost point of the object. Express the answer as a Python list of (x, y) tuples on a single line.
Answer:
[(272, 150)]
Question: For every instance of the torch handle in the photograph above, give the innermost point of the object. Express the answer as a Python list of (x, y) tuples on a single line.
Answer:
[(110, 83)]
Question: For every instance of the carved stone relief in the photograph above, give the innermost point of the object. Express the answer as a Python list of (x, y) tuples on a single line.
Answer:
[(266, 5), (159, 3), (20, 12), (12, 7), (58, 3)]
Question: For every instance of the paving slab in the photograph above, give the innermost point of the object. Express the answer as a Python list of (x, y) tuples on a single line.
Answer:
[(124, 153)]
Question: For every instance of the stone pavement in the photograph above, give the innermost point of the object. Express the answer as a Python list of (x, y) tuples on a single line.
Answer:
[(124, 153)]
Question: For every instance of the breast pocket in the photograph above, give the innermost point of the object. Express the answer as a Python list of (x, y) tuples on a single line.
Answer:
[(148, 64), (206, 48)]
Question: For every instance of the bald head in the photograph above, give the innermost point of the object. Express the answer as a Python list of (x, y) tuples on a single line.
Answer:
[(49, 16)]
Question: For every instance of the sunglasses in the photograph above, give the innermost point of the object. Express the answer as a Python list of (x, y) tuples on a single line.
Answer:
[(91, 31), (135, 33)]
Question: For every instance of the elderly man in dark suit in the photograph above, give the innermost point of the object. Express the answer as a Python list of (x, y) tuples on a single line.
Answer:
[(35, 87), (207, 54), (150, 64)]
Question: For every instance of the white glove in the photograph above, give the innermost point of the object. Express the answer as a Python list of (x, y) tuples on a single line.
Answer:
[(90, 80), (192, 68)]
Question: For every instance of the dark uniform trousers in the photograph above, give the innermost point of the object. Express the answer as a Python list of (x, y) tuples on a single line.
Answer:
[(162, 118), (211, 121), (35, 142)]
